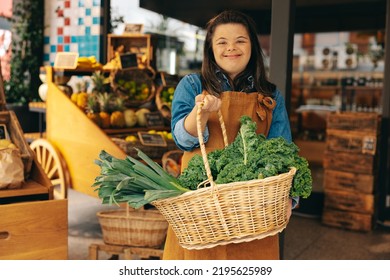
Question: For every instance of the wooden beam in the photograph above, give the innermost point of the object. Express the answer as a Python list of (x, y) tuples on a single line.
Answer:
[(282, 43), (384, 160), (386, 82)]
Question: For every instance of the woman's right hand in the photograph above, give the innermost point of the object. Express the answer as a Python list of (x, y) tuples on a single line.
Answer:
[(211, 103)]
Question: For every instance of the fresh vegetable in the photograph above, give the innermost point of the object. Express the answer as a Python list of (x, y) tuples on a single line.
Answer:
[(129, 180), (130, 117), (249, 157), (117, 119), (141, 116)]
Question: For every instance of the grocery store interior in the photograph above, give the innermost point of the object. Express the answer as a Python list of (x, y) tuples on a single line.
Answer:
[(81, 76)]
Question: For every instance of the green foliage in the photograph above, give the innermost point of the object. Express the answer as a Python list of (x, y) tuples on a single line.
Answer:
[(27, 51), (249, 157), (131, 181)]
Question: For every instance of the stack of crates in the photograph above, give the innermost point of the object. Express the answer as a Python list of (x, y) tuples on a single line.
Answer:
[(350, 170)]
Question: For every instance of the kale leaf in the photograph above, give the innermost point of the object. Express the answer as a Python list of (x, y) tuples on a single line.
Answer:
[(251, 156)]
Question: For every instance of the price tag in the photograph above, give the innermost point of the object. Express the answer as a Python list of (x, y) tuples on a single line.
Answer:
[(148, 139), (66, 60), (133, 28), (128, 60), (154, 119)]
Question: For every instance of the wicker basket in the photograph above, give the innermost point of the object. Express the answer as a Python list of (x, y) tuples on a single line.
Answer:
[(164, 108), (153, 152), (139, 76), (144, 228), (228, 213), (171, 162)]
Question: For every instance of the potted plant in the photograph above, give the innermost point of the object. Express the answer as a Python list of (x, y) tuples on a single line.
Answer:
[(27, 57)]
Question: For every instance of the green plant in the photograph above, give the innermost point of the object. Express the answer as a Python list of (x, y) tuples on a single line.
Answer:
[(27, 51), (251, 156)]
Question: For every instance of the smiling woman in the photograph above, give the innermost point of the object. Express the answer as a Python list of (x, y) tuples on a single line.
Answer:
[(232, 83)]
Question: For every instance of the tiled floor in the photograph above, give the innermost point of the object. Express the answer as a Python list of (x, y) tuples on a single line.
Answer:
[(305, 237)]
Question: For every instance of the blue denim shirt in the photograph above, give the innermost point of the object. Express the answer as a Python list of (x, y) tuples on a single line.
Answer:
[(184, 101)]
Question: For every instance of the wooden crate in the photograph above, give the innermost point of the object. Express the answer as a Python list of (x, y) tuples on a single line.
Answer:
[(349, 162), (15, 131), (351, 141), (33, 226), (349, 201), (17, 137), (129, 252), (347, 220), (348, 181), (356, 121)]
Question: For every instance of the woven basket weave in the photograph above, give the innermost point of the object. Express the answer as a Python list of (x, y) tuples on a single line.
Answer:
[(146, 228), (228, 213)]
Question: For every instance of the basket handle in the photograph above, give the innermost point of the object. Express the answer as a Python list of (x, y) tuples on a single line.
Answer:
[(201, 142), (214, 191)]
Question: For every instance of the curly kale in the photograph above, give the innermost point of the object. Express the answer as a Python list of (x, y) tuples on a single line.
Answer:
[(195, 173), (251, 156)]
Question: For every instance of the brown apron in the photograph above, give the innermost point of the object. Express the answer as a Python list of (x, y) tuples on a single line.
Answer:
[(234, 105)]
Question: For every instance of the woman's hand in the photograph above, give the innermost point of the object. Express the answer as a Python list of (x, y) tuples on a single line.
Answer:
[(211, 103)]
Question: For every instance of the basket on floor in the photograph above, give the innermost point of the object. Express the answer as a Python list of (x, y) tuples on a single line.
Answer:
[(228, 213), (145, 228)]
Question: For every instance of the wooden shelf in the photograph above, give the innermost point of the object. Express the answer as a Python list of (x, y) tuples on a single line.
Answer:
[(29, 188), (365, 88), (113, 131)]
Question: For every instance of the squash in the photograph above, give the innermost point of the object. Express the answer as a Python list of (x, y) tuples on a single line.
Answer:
[(130, 117)]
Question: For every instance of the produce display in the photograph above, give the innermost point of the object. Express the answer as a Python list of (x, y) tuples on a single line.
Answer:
[(133, 90), (89, 62), (250, 156), (106, 108), (135, 86), (167, 96), (164, 97), (133, 138)]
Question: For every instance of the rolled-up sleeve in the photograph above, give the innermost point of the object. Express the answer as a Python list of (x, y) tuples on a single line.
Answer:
[(183, 103), (186, 141), (280, 125)]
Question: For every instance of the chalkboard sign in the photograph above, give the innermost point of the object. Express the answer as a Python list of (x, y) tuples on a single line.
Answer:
[(3, 132), (128, 60), (148, 139), (154, 119)]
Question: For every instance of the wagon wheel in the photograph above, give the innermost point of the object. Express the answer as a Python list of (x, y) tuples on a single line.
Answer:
[(53, 165)]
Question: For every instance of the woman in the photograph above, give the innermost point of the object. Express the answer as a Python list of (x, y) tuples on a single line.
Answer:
[(232, 80)]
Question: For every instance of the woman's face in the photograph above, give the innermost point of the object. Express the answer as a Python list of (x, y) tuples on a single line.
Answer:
[(231, 48)]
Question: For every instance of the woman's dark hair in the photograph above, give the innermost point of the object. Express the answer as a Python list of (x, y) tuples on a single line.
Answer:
[(255, 67)]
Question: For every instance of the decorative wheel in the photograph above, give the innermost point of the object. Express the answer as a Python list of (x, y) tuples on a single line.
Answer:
[(53, 165)]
